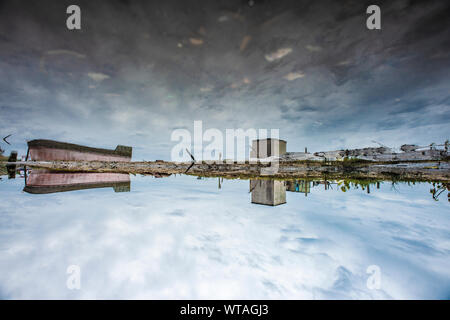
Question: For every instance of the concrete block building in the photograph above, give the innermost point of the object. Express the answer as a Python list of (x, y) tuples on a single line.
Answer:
[(264, 148)]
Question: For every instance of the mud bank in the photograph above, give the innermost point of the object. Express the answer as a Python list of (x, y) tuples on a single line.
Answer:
[(412, 170)]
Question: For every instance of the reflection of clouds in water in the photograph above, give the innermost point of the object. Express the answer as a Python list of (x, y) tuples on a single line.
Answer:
[(182, 238)]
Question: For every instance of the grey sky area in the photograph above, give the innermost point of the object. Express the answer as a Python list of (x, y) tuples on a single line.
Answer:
[(137, 70)]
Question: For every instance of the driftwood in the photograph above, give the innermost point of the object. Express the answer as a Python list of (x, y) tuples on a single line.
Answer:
[(4, 139)]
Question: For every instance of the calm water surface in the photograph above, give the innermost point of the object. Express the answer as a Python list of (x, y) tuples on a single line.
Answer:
[(185, 238)]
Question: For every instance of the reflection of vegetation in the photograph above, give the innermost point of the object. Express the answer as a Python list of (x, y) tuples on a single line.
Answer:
[(346, 185), (438, 189), (326, 176), (367, 185)]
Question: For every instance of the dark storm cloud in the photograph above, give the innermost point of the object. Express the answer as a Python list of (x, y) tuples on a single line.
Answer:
[(139, 69)]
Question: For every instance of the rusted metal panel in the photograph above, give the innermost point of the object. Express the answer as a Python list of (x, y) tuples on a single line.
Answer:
[(48, 150)]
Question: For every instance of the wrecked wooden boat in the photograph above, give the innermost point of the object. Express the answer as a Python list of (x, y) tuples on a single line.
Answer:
[(49, 150)]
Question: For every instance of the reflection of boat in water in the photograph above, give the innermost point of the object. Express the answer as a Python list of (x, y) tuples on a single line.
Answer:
[(42, 182), (48, 150)]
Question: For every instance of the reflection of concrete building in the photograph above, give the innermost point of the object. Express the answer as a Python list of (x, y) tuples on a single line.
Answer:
[(263, 148), (48, 150), (42, 182), (301, 186), (268, 192)]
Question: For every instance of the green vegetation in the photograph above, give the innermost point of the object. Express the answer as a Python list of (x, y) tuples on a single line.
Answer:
[(3, 170), (3, 159)]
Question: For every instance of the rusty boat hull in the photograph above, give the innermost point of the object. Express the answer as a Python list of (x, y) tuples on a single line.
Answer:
[(49, 150)]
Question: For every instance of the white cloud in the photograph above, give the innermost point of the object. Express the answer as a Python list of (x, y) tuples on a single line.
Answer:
[(99, 77), (280, 53), (294, 76)]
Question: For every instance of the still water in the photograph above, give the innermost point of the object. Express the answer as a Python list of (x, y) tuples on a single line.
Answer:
[(181, 237)]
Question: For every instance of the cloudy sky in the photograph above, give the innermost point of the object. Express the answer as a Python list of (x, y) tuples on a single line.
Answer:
[(137, 70)]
